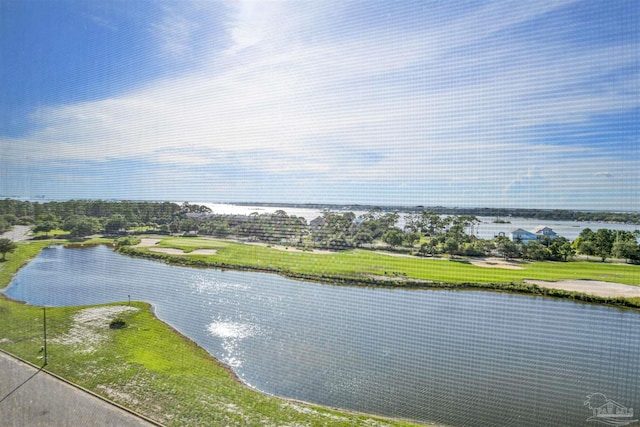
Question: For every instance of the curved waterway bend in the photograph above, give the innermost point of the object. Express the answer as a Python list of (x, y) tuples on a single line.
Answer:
[(453, 357)]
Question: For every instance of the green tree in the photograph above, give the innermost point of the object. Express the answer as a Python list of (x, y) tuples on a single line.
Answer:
[(561, 249), (115, 224), (411, 238), (626, 249), (603, 240), (393, 238), (11, 219), (7, 246), (427, 248), (536, 251), (45, 227), (506, 247), (81, 226), (377, 223), (4, 226), (451, 246), (362, 237)]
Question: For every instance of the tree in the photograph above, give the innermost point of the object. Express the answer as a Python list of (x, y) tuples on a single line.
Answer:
[(393, 238), (377, 223), (585, 247), (536, 251), (561, 248), (115, 224), (506, 247), (45, 227), (7, 246), (4, 226), (451, 246), (427, 248), (361, 238), (411, 238), (603, 240), (81, 226), (626, 249)]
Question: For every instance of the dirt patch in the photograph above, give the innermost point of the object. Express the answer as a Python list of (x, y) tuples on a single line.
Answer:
[(592, 287), (91, 327)]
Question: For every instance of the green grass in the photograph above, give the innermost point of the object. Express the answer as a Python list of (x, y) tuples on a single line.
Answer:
[(149, 367), (51, 234), (23, 254), (362, 263)]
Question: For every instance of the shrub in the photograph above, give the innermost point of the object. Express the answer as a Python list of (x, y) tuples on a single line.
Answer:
[(117, 323)]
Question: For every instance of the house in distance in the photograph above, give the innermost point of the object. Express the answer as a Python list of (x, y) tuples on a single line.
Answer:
[(539, 233)]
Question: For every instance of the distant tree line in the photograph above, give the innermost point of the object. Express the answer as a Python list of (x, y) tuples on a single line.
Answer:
[(426, 232), (86, 217)]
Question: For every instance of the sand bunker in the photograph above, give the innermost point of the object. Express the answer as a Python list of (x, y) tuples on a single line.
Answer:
[(146, 243), (150, 243), (494, 262), (592, 287), (174, 251)]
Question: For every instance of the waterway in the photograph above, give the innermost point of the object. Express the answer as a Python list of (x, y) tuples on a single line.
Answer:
[(460, 358)]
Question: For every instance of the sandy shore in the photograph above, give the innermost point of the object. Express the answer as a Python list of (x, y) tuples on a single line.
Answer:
[(592, 287)]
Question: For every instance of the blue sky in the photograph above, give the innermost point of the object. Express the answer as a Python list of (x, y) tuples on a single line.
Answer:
[(462, 103)]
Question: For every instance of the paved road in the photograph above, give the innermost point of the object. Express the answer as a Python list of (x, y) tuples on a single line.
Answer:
[(44, 400)]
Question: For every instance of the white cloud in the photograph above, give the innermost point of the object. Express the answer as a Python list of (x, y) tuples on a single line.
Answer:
[(456, 104), (175, 33)]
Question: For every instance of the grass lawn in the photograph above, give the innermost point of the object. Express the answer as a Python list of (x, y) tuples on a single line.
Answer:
[(147, 366)]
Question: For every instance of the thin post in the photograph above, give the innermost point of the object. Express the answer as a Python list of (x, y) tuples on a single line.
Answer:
[(44, 316)]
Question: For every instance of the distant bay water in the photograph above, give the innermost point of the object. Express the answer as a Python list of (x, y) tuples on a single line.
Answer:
[(487, 229)]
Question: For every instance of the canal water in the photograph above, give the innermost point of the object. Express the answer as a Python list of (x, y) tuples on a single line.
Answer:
[(461, 358)]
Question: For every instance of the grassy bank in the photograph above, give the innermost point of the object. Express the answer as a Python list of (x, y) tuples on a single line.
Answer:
[(360, 267), (147, 366)]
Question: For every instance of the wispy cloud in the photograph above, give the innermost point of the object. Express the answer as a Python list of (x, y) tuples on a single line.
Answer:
[(470, 101)]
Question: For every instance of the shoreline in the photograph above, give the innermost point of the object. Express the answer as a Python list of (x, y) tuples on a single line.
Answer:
[(584, 290), (587, 290)]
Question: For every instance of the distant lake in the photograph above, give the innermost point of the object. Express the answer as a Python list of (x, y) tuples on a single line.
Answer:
[(455, 357), (487, 229)]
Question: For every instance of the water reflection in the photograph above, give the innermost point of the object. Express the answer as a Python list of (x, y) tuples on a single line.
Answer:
[(231, 334)]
